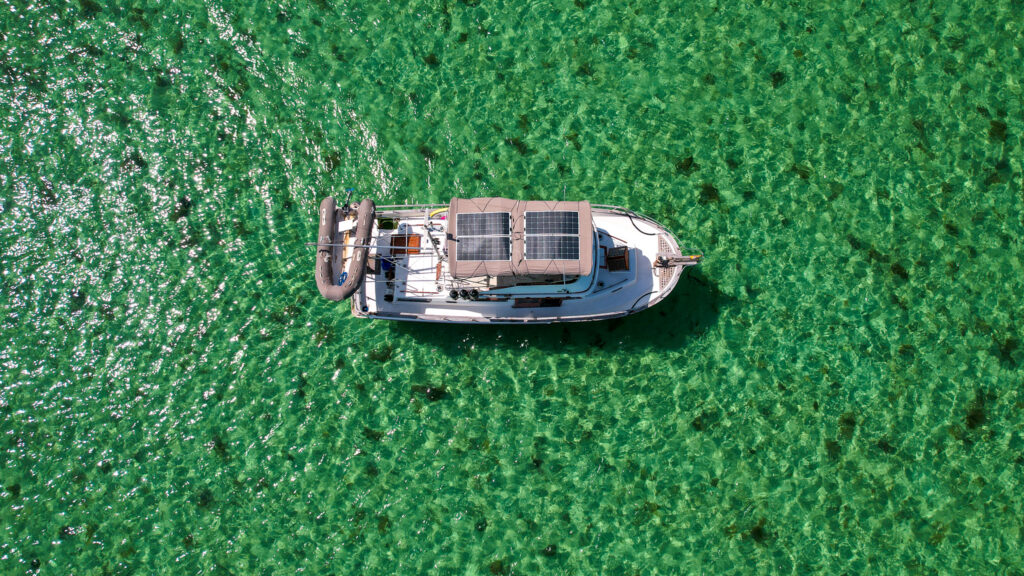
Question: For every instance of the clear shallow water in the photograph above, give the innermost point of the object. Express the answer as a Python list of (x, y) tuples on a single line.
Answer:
[(838, 390)]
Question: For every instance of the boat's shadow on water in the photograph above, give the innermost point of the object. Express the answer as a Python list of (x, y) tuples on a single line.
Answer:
[(689, 311)]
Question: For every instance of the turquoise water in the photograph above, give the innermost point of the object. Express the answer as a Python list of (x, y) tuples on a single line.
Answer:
[(837, 390)]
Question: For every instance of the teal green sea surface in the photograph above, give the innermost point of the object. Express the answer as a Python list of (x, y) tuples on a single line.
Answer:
[(838, 389)]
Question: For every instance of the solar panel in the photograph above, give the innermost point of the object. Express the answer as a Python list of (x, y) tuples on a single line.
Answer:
[(548, 247), (552, 223), (552, 235), (483, 247), (483, 224), (483, 236)]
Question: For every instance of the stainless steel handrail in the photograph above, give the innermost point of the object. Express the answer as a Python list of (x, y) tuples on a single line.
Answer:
[(629, 212), (608, 207), (409, 206)]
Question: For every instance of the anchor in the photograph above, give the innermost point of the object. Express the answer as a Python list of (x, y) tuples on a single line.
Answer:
[(666, 260)]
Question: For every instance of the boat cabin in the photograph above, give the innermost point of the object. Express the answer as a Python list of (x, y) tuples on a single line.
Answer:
[(507, 243)]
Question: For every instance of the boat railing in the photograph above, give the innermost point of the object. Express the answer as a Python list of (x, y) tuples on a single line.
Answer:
[(634, 213), (383, 208), (408, 206)]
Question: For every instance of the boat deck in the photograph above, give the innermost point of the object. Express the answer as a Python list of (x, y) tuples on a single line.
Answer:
[(417, 274), (413, 282)]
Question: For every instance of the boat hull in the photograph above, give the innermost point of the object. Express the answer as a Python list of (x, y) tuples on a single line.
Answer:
[(415, 287)]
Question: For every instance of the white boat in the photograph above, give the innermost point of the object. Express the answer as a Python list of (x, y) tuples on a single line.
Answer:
[(495, 260)]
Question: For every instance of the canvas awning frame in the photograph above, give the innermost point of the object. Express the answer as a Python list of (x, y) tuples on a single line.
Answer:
[(519, 264)]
